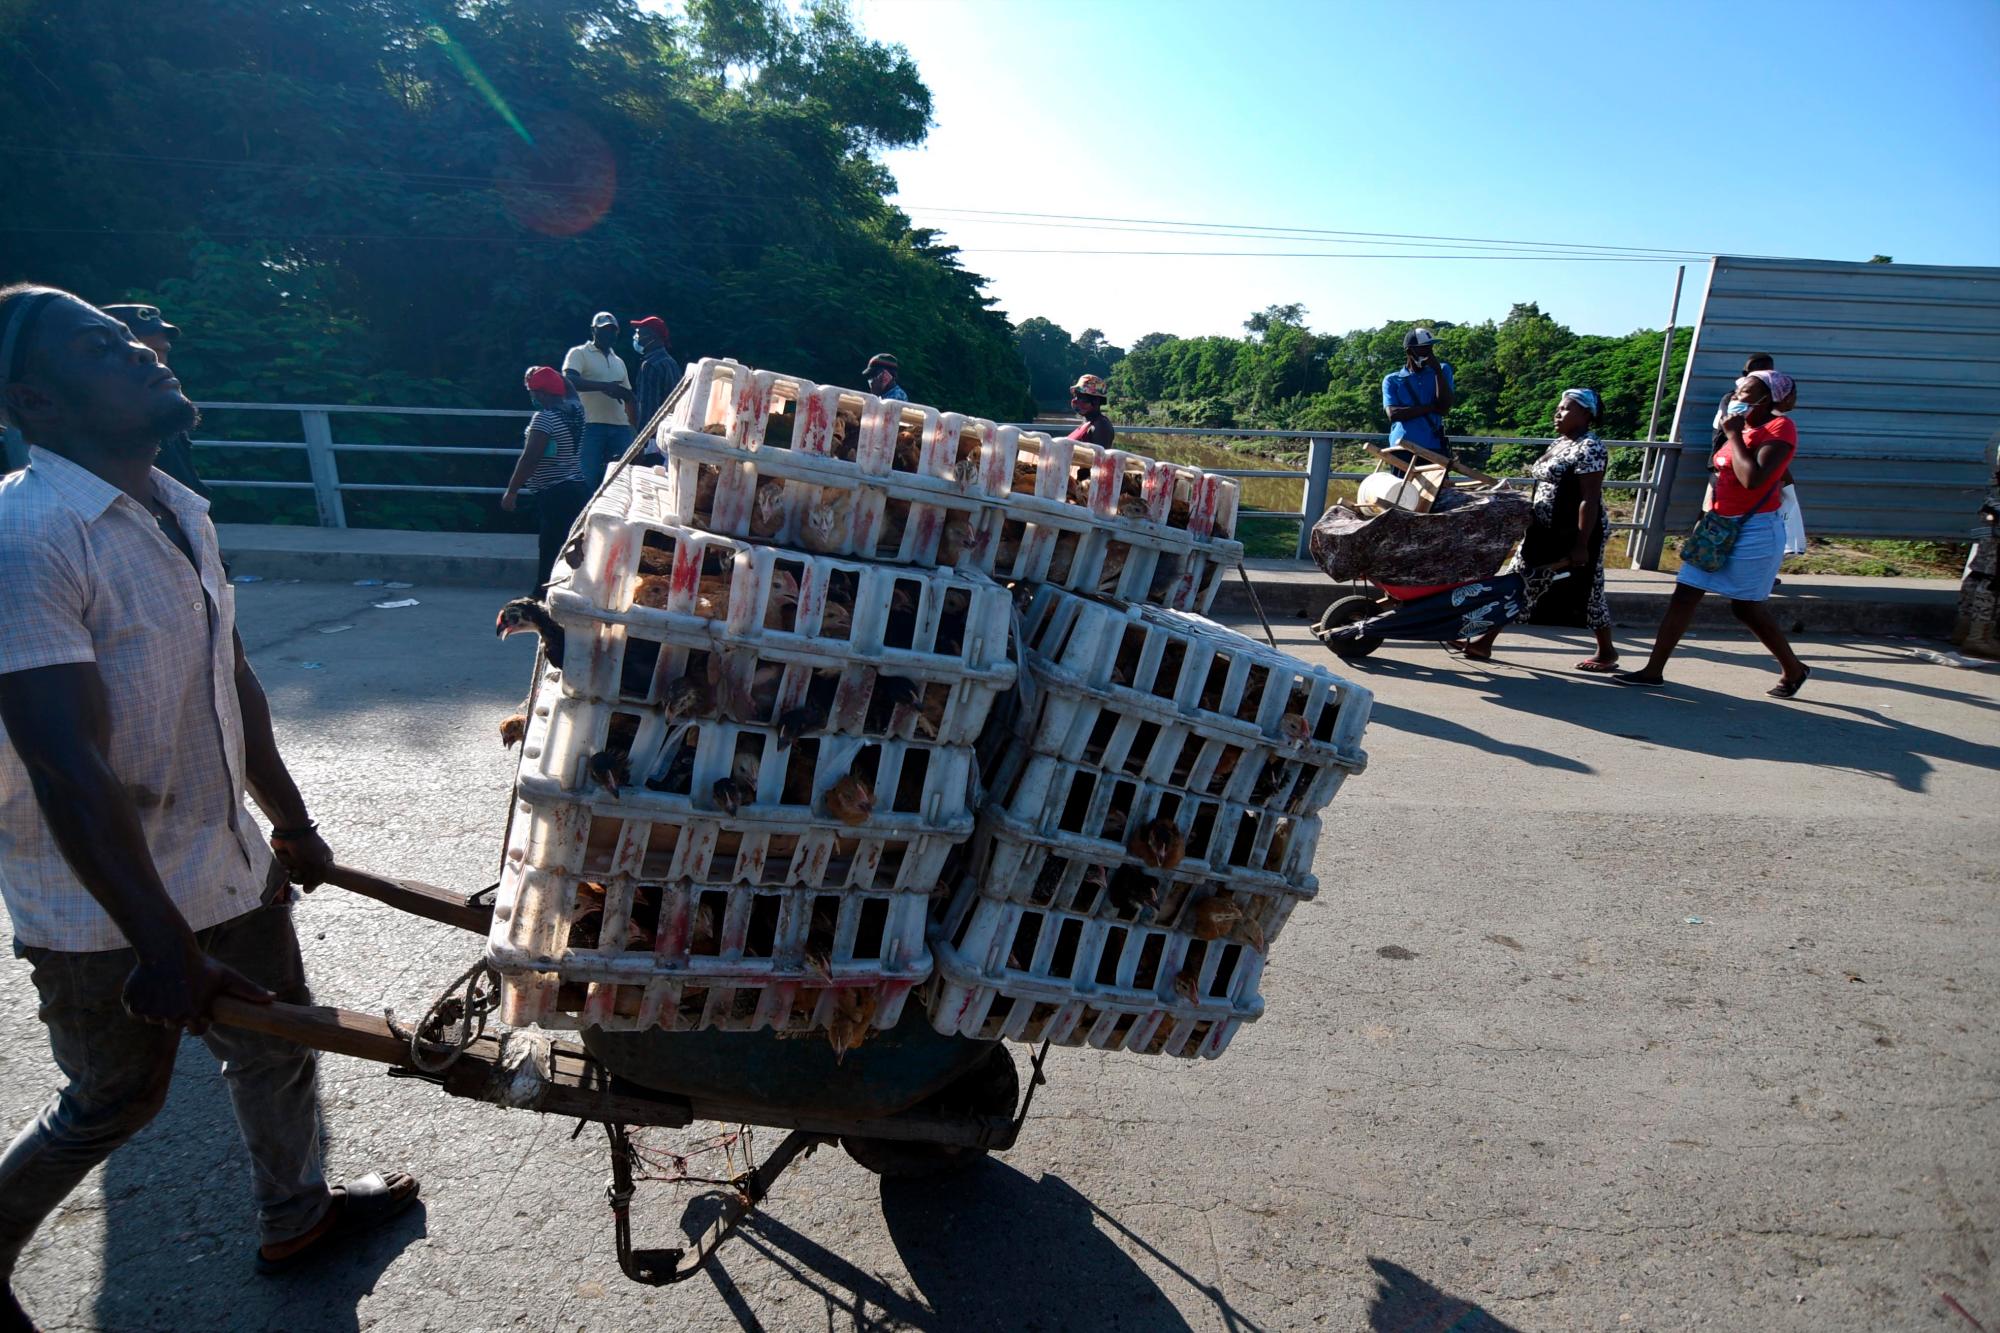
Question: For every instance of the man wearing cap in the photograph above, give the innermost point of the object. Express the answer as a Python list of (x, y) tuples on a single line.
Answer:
[(658, 371), (598, 376), (150, 328), (881, 375), (1417, 396), (1086, 399)]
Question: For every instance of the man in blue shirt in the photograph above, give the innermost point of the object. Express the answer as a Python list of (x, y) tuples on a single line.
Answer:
[(1417, 396), (883, 377)]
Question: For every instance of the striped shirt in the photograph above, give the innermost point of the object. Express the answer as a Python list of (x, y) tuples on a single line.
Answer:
[(91, 578), (559, 456)]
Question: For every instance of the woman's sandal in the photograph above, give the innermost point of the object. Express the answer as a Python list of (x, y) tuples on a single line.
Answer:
[(1597, 666), (358, 1206), (1786, 689), (1636, 679), (1470, 651)]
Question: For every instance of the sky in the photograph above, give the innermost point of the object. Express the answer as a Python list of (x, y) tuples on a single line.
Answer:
[(1830, 130)]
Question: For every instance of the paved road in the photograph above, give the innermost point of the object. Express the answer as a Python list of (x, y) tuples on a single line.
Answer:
[(1504, 1082)]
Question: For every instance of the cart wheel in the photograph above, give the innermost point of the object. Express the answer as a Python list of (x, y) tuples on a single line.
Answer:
[(992, 1089), (1350, 610)]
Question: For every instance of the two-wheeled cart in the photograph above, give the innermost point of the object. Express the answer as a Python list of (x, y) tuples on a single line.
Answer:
[(909, 1101)]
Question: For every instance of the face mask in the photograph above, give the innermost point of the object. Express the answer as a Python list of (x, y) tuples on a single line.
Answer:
[(1738, 410), (638, 346)]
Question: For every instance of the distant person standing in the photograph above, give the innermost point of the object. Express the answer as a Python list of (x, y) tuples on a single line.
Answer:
[(658, 371), (1086, 399), (549, 471), (600, 380), (884, 377), (1417, 396), (150, 328)]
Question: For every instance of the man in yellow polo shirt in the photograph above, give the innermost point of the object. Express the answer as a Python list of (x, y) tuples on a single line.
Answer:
[(599, 378)]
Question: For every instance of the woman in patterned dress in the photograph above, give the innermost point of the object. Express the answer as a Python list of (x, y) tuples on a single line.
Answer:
[(1568, 531)]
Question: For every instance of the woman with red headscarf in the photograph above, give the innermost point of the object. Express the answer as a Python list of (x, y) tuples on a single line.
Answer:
[(549, 471)]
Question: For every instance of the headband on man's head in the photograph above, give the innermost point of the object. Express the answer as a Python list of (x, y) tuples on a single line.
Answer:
[(17, 337)]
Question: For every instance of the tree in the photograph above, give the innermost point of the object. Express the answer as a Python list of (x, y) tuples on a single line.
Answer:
[(1882, 259), (1270, 316), (425, 196)]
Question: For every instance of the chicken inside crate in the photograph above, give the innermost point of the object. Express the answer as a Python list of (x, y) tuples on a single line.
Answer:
[(1111, 522), (628, 954), (867, 506), (1099, 658), (1116, 816), (648, 758), (796, 641), (1024, 973)]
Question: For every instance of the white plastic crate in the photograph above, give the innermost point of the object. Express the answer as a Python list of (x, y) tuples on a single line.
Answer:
[(1113, 522), (672, 768), (1187, 702), (625, 954), (852, 640), (1099, 814), (1030, 974)]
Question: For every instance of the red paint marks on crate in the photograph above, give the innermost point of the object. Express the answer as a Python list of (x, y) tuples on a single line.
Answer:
[(850, 699), (864, 522), (1158, 490), (749, 408), (1104, 482), (687, 570), (1201, 511), (815, 433)]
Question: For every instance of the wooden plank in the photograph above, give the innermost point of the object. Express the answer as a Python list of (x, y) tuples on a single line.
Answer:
[(415, 897)]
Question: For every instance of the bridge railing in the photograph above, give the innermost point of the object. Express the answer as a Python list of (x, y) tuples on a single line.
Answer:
[(323, 450)]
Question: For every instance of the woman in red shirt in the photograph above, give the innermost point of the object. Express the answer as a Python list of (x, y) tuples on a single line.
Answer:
[(1748, 470)]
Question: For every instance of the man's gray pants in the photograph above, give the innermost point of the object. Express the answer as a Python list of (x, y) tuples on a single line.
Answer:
[(118, 1070)]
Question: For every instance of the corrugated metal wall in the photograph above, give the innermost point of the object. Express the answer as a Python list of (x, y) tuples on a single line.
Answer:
[(1899, 388)]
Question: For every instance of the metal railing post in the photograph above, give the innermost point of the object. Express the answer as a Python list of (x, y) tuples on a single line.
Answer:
[(1319, 462), (1651, 540), (325, 471)]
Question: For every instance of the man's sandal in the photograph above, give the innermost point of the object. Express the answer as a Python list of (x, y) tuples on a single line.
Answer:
[(358, 1206)]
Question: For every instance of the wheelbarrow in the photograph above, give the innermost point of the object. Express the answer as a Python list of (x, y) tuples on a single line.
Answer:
[(909, 1101), (1357, 624)]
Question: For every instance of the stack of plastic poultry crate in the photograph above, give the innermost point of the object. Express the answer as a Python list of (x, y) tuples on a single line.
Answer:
[(1139, 854), (772, 457), (740, 790)]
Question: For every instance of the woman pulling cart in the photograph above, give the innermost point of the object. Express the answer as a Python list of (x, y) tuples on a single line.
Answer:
[(1567, 533)]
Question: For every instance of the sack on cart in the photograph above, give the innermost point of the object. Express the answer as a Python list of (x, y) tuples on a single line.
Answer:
[(1468, 539)]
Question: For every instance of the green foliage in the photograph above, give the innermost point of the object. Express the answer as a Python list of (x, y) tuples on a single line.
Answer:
[(401, 200), (1054, 360), (1509, 376)]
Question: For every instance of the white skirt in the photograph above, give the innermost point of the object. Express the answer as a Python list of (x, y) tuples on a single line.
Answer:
[(1753, 562)]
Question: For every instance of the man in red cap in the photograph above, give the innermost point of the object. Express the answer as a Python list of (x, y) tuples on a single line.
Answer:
[(658, 371)]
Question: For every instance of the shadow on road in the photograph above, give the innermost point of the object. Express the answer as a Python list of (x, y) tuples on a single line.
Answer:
[(987, 1248), (180, 1228), (1806, 731), (1405, 1303)]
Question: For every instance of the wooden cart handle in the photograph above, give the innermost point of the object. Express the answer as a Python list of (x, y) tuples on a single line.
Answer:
[(342, 1031), (415, 897)]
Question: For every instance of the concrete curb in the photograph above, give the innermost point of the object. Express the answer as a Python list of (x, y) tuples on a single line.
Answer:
[(1803, 605), (1289, 592)]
